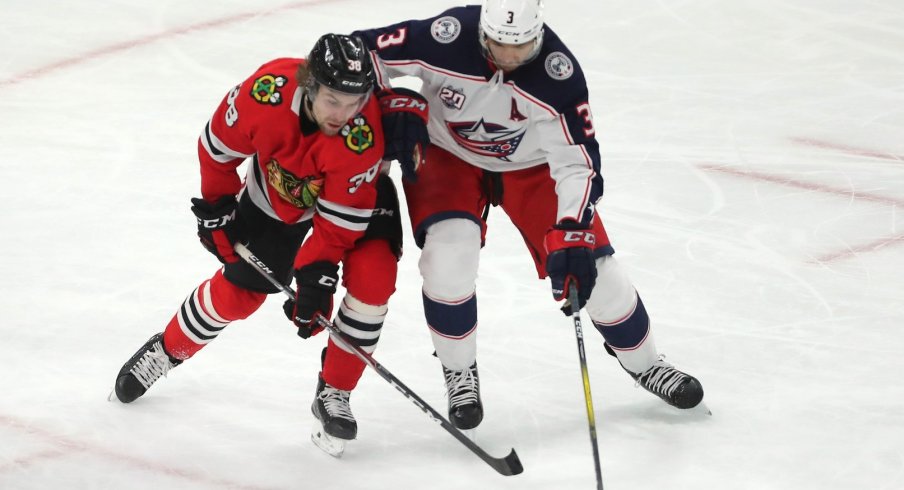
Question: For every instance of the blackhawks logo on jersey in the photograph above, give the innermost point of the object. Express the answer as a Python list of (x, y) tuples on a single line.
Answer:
[(301, 193), (360, 137), (265, 89)]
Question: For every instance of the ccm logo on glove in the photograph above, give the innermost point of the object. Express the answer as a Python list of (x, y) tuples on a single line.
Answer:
[(405, 116), (220, 222), (587, 237), (402, 103)]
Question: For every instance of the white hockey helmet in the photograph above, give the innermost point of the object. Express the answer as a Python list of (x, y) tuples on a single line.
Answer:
[(512, 21)]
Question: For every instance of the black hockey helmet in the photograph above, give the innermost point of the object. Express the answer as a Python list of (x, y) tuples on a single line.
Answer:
[(342, 63)]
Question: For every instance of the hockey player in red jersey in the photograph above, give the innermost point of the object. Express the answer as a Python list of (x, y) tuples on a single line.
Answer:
[(314, 132), (510, 125)]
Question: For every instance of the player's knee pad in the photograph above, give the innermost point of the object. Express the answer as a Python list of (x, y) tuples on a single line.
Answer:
[(361, 322), (369, 271), (614, 296), (449, 259)]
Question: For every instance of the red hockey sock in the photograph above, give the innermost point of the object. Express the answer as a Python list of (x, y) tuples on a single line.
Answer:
[(341, 370)]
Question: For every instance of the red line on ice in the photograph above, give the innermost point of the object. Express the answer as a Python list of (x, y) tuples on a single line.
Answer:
[(863, 152), (777, 179), (68, 446), (854, 251), (31, 459), (142, 41), (847, 193)]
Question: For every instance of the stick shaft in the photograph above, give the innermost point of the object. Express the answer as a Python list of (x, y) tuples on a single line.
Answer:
[(585, 378)]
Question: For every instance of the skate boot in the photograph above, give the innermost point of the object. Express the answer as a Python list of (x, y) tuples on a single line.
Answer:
[(678, 389), (143, 369), (463, 391), (331, 407)]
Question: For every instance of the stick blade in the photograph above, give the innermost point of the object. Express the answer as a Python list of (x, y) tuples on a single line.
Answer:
[(509, 465)]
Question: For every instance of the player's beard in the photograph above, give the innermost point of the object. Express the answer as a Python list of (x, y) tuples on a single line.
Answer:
[(331, 128)]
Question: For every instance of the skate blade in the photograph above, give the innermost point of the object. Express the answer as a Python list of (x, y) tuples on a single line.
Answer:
[(333, 446), (702, 409), (470, 433), (112, 396)]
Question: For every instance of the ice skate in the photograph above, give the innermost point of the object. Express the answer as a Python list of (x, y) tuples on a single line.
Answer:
[(143, 369), (335, 422), (463, 391), (676, 388)]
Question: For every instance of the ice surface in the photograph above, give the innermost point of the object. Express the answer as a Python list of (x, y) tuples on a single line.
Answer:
[(754, 161)]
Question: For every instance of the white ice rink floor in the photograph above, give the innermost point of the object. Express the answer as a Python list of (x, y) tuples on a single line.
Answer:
[(754, 161)]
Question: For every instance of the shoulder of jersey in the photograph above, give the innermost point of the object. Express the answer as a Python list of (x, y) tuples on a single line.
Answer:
[(448, 26), (448, 40), (273, 84), (558, 61), (555, 77)]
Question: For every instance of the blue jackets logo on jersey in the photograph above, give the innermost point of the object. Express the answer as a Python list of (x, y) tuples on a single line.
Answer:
[(559, 66), (445, 29), (488, 139)]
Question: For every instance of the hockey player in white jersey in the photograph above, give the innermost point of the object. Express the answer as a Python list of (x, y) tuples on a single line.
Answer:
[(510, 125)]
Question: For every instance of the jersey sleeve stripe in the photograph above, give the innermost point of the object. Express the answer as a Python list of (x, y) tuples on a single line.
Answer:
[(354, 219), (382, 79), (218, 150), (257, 185), (546, 107)]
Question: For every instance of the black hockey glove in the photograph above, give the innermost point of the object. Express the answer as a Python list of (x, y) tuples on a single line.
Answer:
[(569, 260), (219, 227), (405, 116), (316, 284)]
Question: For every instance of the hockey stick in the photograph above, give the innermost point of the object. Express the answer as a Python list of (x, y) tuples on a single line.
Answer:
[(509, 465), (579, 333)]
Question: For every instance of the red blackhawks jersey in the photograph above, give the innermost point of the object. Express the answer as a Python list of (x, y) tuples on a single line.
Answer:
[(296, 172)]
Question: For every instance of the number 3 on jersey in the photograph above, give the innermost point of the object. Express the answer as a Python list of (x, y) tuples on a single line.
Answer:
[(584, 111), (396, 38)]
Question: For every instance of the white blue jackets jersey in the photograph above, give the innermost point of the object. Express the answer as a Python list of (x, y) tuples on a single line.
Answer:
[(536, 115)]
